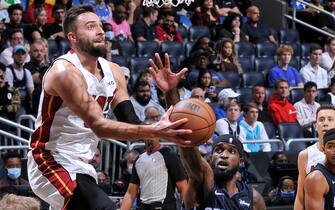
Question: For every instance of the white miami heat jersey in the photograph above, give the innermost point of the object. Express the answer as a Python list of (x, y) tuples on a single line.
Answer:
[(62, 132)]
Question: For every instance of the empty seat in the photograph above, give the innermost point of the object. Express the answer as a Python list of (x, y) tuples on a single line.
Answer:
[(138, 64), (250, 79), (268, 93), (296, 95), (120, 60), (288, 36), (147, 49), (53, 50), (266, 49), (64, 46), (295, 63), (264, 64), (289, 131), (322, 94), (128, 49), (188, 48), (173, 49), (270, 130), (245, 95), (303, 62), (233, 78), (245, 49), (246, 64), (196, 32), (183, 32)]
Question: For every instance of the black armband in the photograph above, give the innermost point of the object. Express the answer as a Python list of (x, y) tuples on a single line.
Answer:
[(125, 112)]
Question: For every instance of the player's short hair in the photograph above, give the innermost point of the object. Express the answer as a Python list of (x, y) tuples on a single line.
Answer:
[(72, 15), (11, 201), (324, 107)]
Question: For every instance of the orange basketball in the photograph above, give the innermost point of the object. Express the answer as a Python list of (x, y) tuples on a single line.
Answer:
[(201, 119)]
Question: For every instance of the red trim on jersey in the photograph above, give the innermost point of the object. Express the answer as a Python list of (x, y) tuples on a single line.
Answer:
[(54, 172)]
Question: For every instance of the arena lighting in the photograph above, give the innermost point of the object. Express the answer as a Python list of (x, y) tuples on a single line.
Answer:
[(160, 3)]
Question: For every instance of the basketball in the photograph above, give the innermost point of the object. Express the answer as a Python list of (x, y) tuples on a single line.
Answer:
[(201, 120)]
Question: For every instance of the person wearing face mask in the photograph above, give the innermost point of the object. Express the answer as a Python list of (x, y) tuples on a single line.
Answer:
[(121, 27), (113, 47), (12, 165), (157, 172), (284, 194)]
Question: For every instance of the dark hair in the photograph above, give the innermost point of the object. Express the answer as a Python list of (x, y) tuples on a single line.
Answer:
[(72, 15), (275, 156), (248, 106), (169, 12), (229, 19), (329, 40), (57, 7), (282, 179), (13, 7), (197, 44), (147, 11), (325, 107), (256, 86), (123, 161), (11, 155), (107, 26), (38, 10), (12, 32), (280, 81), (2, 67), (139, 83), (202, 73), (309, 85), (315, 47)]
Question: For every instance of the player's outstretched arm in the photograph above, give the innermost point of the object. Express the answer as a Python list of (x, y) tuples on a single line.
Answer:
[(299, 199), (65, 81), (315, 187), (258, 201)]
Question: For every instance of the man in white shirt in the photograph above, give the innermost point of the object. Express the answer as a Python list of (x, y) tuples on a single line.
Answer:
[(306, 108), (313, 71), (230, 125), (251, 130), (328, 57), (20, 78)]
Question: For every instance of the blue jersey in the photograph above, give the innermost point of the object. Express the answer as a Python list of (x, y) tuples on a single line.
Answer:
[(329, 198), (219, 199)]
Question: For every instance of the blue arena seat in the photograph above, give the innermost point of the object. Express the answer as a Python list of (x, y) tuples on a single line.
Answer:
[(147, 49), (195, 32)]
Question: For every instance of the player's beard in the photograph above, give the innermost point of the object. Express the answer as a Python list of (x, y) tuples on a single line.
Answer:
[(88, 47), (225, 175)]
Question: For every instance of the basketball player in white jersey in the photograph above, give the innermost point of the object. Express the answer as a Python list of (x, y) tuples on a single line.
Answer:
[(312, 155), (77, 91)]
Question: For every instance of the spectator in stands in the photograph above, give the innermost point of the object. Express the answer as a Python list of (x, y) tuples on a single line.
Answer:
[(37, 60), (280, 109), (225, 49), (183, 92), (312, 71), (284, 194), (11, 202), (258, 97), (15, 38), (225, 97), (96, 160), (167, 30), (15, 19), (230, 125), (306, 109), (144, 29), (102, 10), (252, 130), (330, 98), (231, 29), (103, 182), (146, 76), (12, 165), (206, 15), (257, 33), (37, 30), (283, 70), (328, 57), (121, 27), (113, 46), (225, 7), (55, 29), (127, 164), (198, 93), (20, 78), (205, 83), (152, 114), (9, 98), (157, 179), (38, 90), (203, 43), (141, 99)]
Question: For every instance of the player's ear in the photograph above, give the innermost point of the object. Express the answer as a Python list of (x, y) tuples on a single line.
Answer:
[(72, 37)]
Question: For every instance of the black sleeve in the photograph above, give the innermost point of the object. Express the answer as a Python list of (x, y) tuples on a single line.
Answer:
[(125, 112), (134, 179), (173, 164), (138, 30)]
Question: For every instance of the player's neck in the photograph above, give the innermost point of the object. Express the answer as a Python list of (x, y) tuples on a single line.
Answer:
[(319, 144), (88, 62), (228, 185), (330, 167)]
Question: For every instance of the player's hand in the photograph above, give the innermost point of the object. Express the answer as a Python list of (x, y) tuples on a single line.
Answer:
[(167, 130), (165, 79)]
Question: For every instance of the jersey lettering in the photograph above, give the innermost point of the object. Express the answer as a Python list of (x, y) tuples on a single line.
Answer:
[(104, 103)]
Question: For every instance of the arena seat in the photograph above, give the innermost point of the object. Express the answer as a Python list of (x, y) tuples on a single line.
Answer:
[(303, 62), (245, 49), (120, 60), (183, 32), (53, 50), (270, 130), (233, 78), (138, 64), (266, 49), (188, 47), (294, 63), (287, 35), (290, 131), (147, 49), (246, 64), (304, 50), (64, 46), (174, 49), (195, 32), (245, 95), (322, 93), (249, 79), (128, 49), (264, 64), (296, 95), (268, 93)]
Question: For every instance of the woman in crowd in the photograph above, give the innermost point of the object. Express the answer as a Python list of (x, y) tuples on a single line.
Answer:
[(231, 29), (206, 14), (37, 30), (205, 83), (227, 56)]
